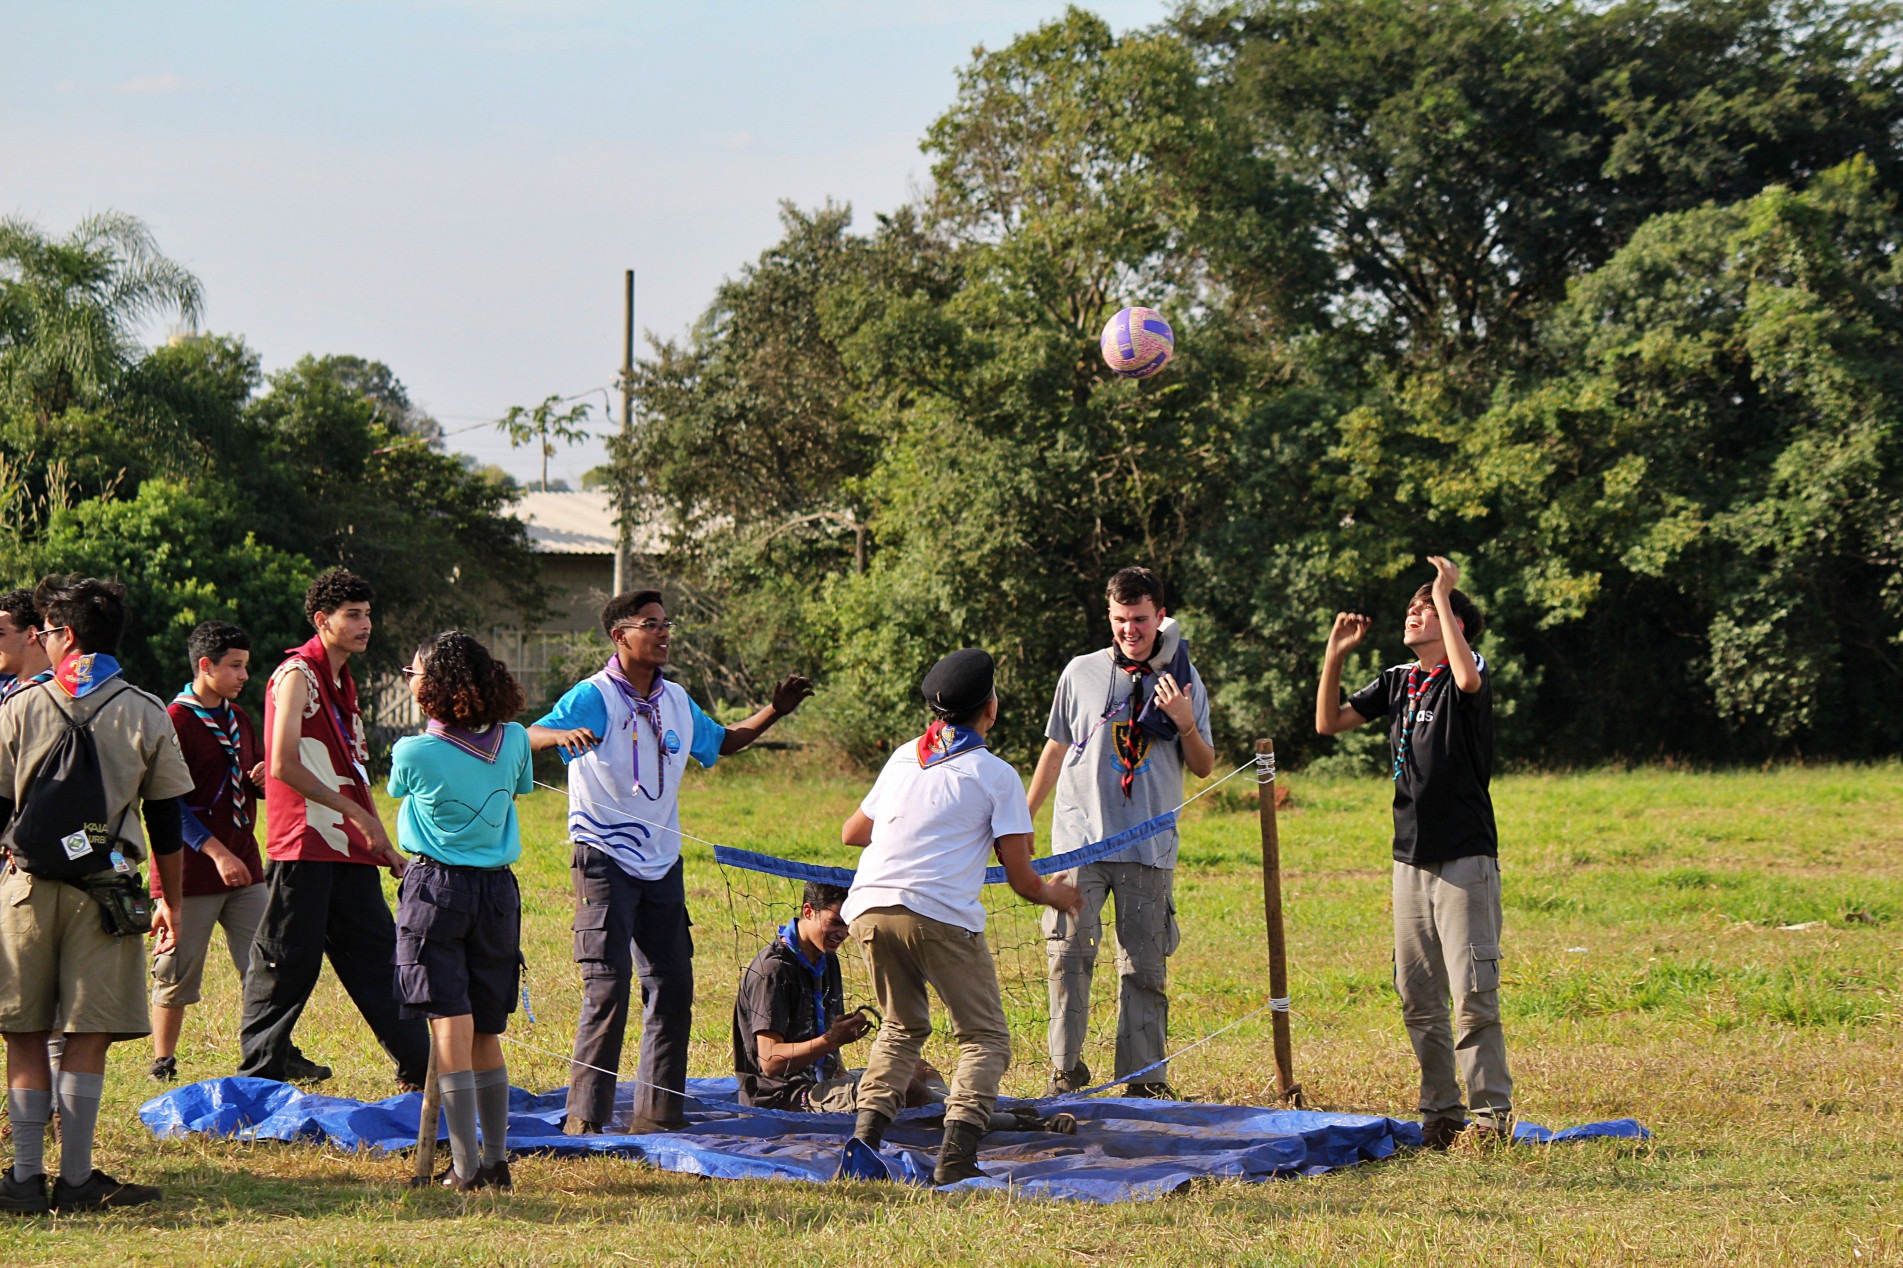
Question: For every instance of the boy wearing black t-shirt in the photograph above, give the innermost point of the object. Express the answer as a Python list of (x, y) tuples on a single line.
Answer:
[(1446, 864)]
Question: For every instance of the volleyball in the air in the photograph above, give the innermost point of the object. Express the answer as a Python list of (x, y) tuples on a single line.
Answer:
[(1137, 343)]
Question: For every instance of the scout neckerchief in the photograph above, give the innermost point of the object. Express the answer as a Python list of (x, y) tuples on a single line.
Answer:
[(646, 708), (486, 743), (16, 685), (1416, 688), (790, 934), (83, 673), (223, 724), (338, 694), (1126, 741), (943, 740)]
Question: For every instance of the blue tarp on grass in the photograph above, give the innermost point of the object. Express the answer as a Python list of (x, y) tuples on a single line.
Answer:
[(1124, 1150)]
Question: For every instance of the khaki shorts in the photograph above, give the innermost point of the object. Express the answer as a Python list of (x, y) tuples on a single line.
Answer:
[(60, 969), (178, 975)]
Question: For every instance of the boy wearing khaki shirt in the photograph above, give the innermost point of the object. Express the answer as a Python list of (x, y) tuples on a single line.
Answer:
[(58, 964)]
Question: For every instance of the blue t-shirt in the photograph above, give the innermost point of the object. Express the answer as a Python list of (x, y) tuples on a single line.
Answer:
[(460, 809), (582, 705)]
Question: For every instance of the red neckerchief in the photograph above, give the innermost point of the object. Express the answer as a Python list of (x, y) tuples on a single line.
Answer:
[(339, 699)]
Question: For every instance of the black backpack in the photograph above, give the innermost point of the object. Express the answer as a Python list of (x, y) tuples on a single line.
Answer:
[(60, 830)]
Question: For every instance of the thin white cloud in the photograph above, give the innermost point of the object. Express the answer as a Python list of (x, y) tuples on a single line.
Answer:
[(152, 85)]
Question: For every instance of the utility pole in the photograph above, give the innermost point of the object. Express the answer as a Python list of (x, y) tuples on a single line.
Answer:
[(624, 476)]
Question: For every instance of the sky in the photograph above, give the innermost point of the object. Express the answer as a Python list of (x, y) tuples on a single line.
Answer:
[(455, 187)]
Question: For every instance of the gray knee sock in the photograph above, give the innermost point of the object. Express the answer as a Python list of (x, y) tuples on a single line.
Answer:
[(459, 1110), (78, 1119), (30, 1109), (492, 1108)]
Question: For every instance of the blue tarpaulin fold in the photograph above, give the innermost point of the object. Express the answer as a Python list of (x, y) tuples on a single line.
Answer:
[(1124, 1150)]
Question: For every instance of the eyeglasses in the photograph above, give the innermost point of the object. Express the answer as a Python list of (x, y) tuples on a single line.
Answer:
[(40, 636), (410, 671), (649, 626)]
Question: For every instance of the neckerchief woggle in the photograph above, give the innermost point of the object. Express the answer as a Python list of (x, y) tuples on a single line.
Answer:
[(790, 934), (223, 723), (942, 741), (648, 707), (83, 673), (486, 743)]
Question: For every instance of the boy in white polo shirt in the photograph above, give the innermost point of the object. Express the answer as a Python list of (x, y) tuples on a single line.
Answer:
[(941, 807)]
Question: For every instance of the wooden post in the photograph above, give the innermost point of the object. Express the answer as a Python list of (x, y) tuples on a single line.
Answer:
[(426, 1125), (1287, 1088)]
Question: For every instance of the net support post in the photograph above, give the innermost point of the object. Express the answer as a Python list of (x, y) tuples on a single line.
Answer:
[(426, 1120), (1288, 1091)]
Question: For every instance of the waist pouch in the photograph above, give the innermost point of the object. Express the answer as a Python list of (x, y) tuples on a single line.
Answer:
[(125, 905)]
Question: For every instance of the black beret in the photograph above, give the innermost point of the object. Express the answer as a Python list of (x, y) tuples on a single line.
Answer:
[(960, 683)]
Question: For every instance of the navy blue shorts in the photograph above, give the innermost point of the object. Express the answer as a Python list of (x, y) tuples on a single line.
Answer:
[(459, 943)]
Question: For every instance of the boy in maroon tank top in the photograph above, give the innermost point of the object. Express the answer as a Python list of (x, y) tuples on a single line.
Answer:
[(325, 844)]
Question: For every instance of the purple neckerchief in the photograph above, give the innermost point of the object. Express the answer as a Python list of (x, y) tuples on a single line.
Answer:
[(648, 707), (486, 743)]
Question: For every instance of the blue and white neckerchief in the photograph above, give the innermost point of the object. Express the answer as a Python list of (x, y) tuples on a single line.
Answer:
[(1415, 690), (486, 743), (942, 740), (790, 934), (15, 686), (223, 724), (646, 708)]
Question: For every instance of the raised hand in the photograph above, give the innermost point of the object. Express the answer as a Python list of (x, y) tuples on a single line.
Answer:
[(1446, 574), (788, 695), (1350, 628), (1174, 701)]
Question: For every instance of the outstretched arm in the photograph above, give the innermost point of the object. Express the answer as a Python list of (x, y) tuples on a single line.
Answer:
[(1460, 657), (1332, 717), (1014, 851), (786, 698)]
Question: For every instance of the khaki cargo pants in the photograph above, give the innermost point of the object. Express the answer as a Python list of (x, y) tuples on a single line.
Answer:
[(904, 952), (1447, 949)]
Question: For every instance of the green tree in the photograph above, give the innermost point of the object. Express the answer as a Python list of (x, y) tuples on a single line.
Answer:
[(71, 309), (546, 425)]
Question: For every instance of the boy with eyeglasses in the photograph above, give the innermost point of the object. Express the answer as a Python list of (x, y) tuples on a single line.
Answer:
[(625, 734), (64, 969)]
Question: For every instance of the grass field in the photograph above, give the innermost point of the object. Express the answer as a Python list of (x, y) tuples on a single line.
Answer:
[(1716, 955)]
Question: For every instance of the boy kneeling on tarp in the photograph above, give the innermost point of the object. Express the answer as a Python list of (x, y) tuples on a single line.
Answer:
[(790, 1024), (940, 808)]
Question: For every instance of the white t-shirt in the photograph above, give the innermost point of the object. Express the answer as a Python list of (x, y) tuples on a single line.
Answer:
[(933, 830)]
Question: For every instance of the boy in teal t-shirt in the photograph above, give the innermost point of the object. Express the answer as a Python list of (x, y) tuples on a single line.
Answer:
[(459, 913)]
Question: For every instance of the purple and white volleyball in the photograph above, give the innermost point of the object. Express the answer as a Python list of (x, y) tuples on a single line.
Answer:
[(1137, 343)]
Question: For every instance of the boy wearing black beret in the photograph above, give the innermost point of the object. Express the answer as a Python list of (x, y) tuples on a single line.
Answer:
[(941, 807)]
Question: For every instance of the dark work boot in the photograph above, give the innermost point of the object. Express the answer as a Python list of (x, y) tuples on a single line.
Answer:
[(958, 1152), (870, 1127)]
